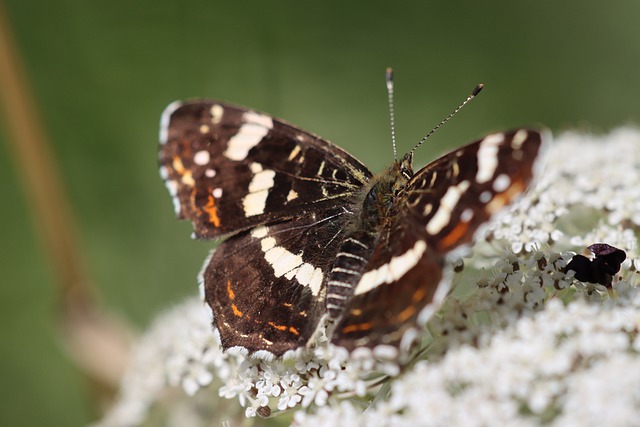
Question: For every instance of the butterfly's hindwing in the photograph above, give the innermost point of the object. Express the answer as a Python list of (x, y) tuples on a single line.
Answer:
[(267, 286), (230, 169), (400, 279)]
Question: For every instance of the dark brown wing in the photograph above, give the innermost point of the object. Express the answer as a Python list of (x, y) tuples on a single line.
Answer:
[(267, 286), (281, 193), (229, 169), (443, 206)]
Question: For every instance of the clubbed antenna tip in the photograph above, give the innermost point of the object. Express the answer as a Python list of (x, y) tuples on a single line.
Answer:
[(473, 93)]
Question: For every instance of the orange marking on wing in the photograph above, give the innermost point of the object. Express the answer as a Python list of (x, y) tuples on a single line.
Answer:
[(406, 314), (418, 295), (278, 327), (212, 210), (293, 330), (236, 312), (232, 295), (516, 188), (454, 235), (357, 327), (187, 179), (177, 165), (502, 199)]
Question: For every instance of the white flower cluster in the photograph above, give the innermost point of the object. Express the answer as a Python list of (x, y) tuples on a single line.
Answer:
[(584, 182), (178, 351), (181, 350), (518, 343), (574, 365)]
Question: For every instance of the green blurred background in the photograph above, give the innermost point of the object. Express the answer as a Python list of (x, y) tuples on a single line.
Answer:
[(103, 71)]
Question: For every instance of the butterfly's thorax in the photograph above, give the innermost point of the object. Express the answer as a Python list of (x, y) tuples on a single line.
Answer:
[(384, 195), (381, 199), (375, 207)]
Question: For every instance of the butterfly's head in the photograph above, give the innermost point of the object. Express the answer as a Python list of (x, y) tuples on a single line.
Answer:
[(382, 195)]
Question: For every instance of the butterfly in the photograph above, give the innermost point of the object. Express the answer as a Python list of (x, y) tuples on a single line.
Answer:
[(313, 239)]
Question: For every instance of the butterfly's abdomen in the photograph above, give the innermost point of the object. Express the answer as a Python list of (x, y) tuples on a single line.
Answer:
[(376, 206), (351, 260)]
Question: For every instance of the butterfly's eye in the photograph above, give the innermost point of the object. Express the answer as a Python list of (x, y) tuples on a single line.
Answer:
[(398, 187)]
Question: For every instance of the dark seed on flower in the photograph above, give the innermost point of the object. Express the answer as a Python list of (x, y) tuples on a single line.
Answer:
[(542, 263), (602, 268), (264, 411)]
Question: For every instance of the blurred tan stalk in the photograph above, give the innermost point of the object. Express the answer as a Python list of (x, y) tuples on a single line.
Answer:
[(97, 342)]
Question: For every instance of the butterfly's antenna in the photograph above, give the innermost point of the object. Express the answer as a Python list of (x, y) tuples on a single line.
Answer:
[(389, 79), (475, 91)]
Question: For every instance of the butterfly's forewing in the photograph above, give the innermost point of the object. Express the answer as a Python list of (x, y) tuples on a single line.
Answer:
[(460, 191), (442, 207), (230, 169)]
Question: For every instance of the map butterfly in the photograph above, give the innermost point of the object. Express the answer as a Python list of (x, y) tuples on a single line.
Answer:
[(313, 238)]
